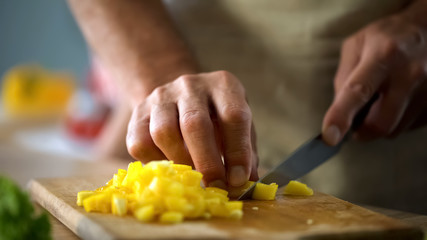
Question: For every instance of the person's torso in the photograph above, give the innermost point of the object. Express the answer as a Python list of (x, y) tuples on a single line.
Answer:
[(286, 52)]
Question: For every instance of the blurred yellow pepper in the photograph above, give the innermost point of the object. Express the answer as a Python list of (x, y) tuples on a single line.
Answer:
[(31, 91)]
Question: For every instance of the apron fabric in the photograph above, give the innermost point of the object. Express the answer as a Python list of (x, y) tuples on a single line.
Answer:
[(286, 52)]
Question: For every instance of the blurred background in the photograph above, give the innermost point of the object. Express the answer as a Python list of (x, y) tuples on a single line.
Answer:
[(42, 32), (46, 100)]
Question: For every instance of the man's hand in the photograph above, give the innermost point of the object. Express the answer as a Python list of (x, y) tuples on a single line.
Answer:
[(388, 57), (195, 120)]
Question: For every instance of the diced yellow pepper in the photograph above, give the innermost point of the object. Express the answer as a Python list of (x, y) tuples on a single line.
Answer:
[(118, 178), (198, 206), (149, 198), (82, 195), (145, 213), (234, 205), (161, 168), (178, 204), (217, 208), (100, 202), (171, 191), (265, 192), (213, 192), (171, 217), (180, 168), (216, 190), (119, 205), (191, 178), (297, 188), (175, 189), (133, 170), (236, 214), (160, 185)]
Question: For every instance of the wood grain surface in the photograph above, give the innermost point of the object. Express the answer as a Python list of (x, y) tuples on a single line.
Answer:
[(317, 217)]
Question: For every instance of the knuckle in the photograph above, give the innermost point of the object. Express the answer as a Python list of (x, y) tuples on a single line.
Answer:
[(162, 132), (186, 82), (227, 79), (361, 91), (236, 114), (194, 120), (389, 49), (224, 74), (139, 149), (159, 94)]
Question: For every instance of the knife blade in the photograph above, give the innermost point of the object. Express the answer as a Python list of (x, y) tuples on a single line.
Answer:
[(307, 157), (303, 160)]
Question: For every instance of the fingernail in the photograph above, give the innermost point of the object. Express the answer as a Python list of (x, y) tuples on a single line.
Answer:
[(218, 184), (332, 135), (237, 176)]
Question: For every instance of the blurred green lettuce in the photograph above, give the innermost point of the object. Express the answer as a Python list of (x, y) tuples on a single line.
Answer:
[(17, 217)]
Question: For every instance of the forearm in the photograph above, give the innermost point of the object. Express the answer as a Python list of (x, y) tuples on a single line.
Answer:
[(136, 41)]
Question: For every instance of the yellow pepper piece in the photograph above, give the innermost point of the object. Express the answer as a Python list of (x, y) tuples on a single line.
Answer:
[(265, 192), (180, 168), (119, 205), (118, 178), (234, 205), (191, 178), (133, 169), (82, 196), (171, 217), (145, 214), (213, 192), (100, 202), (297, 188), (236, 214)]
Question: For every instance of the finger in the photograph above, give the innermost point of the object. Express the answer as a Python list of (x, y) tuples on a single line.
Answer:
[(198, 133), (415, 115), (388, 111), (138, 139), (235, 119), (383, 116), (350, 56), (361, 85), (165, 132)]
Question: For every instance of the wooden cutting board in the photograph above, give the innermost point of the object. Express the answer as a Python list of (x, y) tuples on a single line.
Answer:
[(316, 217)]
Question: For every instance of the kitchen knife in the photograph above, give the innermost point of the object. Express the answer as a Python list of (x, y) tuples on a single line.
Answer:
[(307, 157)]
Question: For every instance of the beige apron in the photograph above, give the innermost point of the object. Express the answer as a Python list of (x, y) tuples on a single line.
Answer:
[(285, 52)]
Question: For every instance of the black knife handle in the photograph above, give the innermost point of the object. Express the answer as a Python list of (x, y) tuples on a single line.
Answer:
[(361, 115)]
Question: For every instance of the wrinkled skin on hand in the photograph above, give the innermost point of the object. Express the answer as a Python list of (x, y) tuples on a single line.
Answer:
[(195, 120), (388, 57)]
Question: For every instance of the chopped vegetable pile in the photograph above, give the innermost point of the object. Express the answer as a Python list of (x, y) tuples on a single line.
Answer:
[(160, 190), (170, 193), (17, 217)]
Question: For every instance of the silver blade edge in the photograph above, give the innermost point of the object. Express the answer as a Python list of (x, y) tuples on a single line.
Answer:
[(303, 160)]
